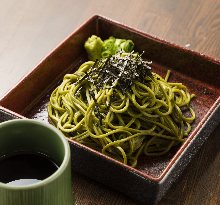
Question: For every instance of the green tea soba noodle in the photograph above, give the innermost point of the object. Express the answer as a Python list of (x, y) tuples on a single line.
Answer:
[(118, 106)]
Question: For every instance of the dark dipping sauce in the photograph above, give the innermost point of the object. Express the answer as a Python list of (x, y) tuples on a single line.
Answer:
[(22, 169)]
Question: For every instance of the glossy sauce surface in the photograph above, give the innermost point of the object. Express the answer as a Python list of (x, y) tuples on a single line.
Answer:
[(22, 169)]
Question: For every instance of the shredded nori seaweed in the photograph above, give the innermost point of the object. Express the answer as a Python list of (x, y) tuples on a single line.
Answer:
[(119, 71)]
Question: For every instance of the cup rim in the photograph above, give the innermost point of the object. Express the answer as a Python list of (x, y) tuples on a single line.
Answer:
[(60, 169)]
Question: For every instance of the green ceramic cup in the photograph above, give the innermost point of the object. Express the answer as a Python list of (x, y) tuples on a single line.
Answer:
[(34, 136)]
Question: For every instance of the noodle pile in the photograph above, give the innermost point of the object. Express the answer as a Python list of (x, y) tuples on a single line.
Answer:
[(148, 117)]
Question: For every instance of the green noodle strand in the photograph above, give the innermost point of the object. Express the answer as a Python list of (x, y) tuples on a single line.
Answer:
[(150, 119)]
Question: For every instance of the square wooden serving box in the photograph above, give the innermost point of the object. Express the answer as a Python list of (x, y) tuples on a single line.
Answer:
[(153, 176)]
